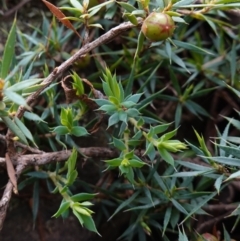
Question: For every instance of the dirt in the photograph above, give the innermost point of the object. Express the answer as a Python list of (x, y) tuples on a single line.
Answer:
[(19, 224)]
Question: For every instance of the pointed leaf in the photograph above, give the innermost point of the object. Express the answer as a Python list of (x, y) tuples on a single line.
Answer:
[(89, 224), (8, 53), (24, 129), (125, 203), (63, 207), (15, 129)]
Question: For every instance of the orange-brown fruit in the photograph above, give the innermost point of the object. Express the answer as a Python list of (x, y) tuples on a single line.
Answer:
[(158, 26)]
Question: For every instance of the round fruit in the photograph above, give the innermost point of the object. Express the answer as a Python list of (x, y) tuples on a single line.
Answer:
[(158, 26)]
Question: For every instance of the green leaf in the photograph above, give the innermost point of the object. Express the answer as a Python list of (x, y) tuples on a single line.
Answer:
[(108, 108), (130, 81), (150, 151), (89, 224), (233, 175), (15, 129), (211, 23), (179, 61), (134, 98), (16, 98), (146, 206), (71, 177), (182, 3), (168, 135), (129, 175), (82, 197), (102, 102), (8, 53), (234, 122), (166, 156), (175, 218), (64, 190), (125, 203), (61, 130), (140, 43), (132, 112), (3, 113), (113, 86), (63, 207), (149, 99), (167, 217), (160, 182), (114, 100), (107, 90), (114, 119), (128, 104), (175, 82), (131, 17), (114, 162), (234, 151), (179, 206), (35, 200), (160, 128), (182, 236), (136, 163), (40, 174), (96, 25), (196, 108), (223, 139), (24, 129), (33, 117), (99, 6), (187, 174), (168, 50), (178, 114), (226, 234), (199, 205), (119, 144), (76, 4), (218, 183), (21, 86), (194, 166), (124, 169), (128, 7), (79, 131), (66, 117), (226, 160), (78, 216), (194, 48), (71, 162), (149, 195)]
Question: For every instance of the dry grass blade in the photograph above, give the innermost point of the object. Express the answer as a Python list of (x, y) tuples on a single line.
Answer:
[(60, 16), (11, 173)]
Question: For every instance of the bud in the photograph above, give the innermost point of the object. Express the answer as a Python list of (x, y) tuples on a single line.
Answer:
[(158, 26), (172, 145)]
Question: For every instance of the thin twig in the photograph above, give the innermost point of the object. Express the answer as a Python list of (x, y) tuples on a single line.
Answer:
[(205, 225)]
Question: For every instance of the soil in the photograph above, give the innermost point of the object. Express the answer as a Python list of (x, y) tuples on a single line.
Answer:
[(19, 224)]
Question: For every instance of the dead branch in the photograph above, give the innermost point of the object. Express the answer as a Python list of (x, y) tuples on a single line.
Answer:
[(53, 157)]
